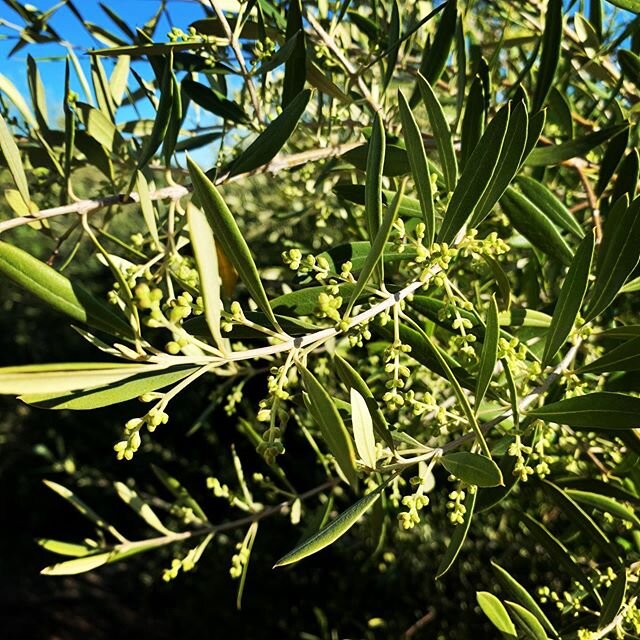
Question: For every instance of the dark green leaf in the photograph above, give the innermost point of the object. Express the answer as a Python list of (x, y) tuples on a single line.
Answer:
[(396, 161), (280, 56), (579, 518), (214, 101), (473, 120), (295, 66), (542, 198), (419, 167), (441, 132), (59, 292), (624, 357), (629, 5), (600, 410), (333, 430), (570, 299), (434, 62), (605, 504), (535, 226), (551, 42), (472, 468), (357, 253), (476, 177), (555, 154), (618, 256), (272, 139), (373, 187), (334, 530), (627, 178), (393, 35), (458, 537), (489, 353), (355, 193), (227, 233), (630, 65), (613, 599), (611, 159)]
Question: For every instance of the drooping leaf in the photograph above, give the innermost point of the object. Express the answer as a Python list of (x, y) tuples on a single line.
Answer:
[(570, 298), (497, 614), (363, 429), (272, 139), (229, 237), (204, 250), (473, 468), (59, 292), (441, 132), (618, 256), (489, 353), (419, 167), (522, 595), (600, 410), (334, 530), (458, 536), (331, 425)]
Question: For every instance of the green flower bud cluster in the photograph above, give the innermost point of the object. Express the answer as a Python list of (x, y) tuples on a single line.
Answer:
[(263, 49), (234, 398), (419, 405), (359, 334), (186, 564), (414, 503), (492, 245), (457, 510), (271, 445), (239, 560), (523, 454), (132, 440), (328, 306), (183, 267), (393, 398), (219, 490)]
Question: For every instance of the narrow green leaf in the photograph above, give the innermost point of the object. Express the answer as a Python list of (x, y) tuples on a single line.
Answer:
[(618, 256), (497, 614), (176, 118), (66, 548), (624, 357), (580, 518), (204, 250), (98, 126), (78, 565), (363, 429), (183, 497), (119, 79), (214, 101), (630, 65), (489, 353), (555, 154), (458, 537), (542, 198), (8, 89), (441, 132), (517, 591), (373, 187), (355, 193), (570, 298), (551, 43), (377, 248), (419, 167), (125, 389), (507, 166), (14, 162), (334, 530), (599, 410), (629, 5), (604, 504), (473, 120), (611, 159), (353, 380), (59, 292), (146, 205), (229, 237), (613, 599), (60, 378), (333, 430), (524, 318), (38, 97), (396, 161), (133, 500), (475, 177), (304, 302), (280, 56), (558, 553), (295, 67), (472, 468), (535, 226), (627, 178), (434, 63), (272, 139), (393, 35), (527, 622)]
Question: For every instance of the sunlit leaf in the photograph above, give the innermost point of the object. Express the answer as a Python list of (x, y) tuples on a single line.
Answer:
[(473, 468)]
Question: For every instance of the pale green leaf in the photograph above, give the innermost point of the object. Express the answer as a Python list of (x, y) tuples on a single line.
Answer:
[(363, 429)]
